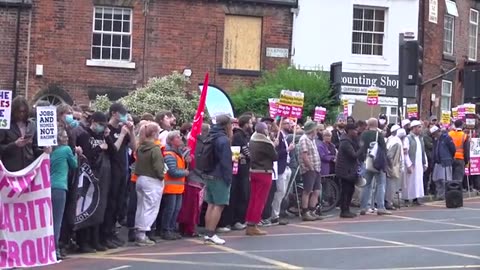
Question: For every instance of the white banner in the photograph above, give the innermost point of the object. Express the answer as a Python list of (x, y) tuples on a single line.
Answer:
[(26, 220), (46, 126)]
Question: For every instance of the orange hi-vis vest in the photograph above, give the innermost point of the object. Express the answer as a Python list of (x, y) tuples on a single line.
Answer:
[(459, 138), (175, 185), (134, 177)]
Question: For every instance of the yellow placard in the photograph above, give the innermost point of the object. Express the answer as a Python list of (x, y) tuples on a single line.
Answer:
[(469, 108), (372, 93), (412, 108), (291, 98), (345, 102), (445, 119), (455, 113)]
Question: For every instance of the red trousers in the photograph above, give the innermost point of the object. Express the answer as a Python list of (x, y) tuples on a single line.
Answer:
[(260, 184), (189, 215)]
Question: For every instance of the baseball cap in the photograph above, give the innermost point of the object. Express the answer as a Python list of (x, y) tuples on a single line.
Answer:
[(434, 129), (433, 118)]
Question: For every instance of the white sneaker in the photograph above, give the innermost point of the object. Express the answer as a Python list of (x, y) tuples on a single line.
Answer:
[(239, 226), (214, 240), (223, 230)]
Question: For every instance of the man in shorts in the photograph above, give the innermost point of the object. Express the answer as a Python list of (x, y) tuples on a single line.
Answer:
[(218, 181), (310, 169)]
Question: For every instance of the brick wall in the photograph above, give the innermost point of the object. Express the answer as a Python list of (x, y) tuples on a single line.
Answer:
[(435, 63), (179, 34), (8, 30)]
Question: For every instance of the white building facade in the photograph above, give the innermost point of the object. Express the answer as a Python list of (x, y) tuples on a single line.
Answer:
[(364, 36)]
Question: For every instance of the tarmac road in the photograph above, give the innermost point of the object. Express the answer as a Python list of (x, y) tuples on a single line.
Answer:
[(425, 237)]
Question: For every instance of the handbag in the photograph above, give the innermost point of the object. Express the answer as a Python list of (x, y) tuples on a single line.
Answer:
[(371, 154)]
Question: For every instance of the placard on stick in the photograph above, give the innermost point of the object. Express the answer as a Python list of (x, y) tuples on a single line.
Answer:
[(5, 108), (47, 126), (372, 96), (412, 110), (290, 104)]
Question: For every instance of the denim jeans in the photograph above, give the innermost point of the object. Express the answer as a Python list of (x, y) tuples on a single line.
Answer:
[(59, 198), (172, 204), (381, 180), (132, 205)]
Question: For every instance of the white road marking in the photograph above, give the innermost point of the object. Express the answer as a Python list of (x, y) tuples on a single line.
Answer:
[(120, 267), (392, 242), (276, 263)]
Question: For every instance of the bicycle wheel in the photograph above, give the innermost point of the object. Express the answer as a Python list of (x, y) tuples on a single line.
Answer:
[(330, 194)]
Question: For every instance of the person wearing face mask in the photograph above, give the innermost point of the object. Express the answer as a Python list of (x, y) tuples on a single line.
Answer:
[(382, 121), (121, 134), (96, 144), (67, 122)]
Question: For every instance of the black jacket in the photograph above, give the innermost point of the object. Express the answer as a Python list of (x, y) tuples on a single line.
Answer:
[(282, 151), (336, 136), (16, 158), (241, 138), (346, 166)]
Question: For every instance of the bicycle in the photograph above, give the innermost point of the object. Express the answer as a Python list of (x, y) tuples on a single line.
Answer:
[(329, 197)]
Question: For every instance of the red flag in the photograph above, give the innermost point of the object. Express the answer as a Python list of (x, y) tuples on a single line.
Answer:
[(198, 120)]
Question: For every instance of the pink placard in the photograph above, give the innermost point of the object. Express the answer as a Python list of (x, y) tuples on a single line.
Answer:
[(272, 107), (289, 111), (320, 114), (372, 101), (461, 112)]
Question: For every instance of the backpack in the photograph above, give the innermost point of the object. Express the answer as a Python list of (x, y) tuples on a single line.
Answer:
[(204, 154)]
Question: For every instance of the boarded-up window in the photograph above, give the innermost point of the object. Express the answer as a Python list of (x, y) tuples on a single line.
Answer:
[(242, 42)]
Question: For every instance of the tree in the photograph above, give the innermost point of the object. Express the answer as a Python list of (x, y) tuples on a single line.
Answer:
[(166, 93), (314, 84)]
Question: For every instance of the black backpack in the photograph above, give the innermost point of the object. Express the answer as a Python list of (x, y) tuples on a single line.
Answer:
[(204, 154)]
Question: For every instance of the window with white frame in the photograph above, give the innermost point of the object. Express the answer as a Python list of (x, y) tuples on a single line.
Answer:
[(368, 30), (448, 34), (473, 35), (112, 34), (446, 102)]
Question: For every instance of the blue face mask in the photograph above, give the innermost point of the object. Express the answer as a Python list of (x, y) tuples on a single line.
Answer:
[(99, 128), (70, 121), (123, 118)]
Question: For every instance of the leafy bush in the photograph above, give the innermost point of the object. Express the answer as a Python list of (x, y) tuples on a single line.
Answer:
[(166, 93), (314, 84)]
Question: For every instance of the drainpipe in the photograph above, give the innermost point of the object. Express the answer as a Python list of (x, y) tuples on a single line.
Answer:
[(27, 76), (294, 12), (17, 42)]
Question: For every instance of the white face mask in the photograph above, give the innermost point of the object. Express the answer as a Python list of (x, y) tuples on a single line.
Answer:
[(382, 121)]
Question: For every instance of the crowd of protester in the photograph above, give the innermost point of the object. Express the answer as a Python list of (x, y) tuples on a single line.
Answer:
[(161, 188)]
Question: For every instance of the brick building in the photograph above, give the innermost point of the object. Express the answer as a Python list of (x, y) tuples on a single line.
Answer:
[(73, 50), (449, 32)]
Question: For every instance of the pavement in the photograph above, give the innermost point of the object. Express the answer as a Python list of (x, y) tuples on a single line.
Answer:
[(425, 237)]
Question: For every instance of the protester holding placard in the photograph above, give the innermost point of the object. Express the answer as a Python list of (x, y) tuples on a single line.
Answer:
[(18, 147), (62, 161), (233, 216)]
